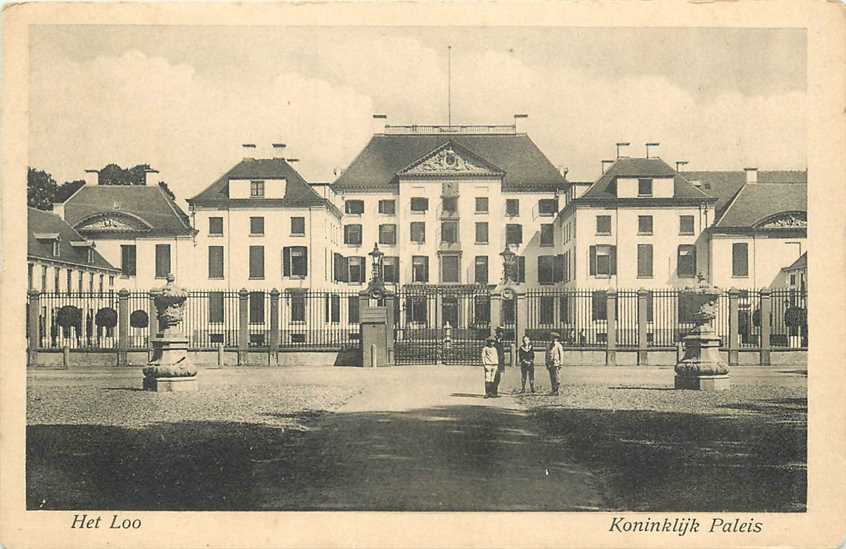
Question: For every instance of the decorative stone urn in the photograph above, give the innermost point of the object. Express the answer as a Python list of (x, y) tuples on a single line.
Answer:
[(170, 369), (701, 367)]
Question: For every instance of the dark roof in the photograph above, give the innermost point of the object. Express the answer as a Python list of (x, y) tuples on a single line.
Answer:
[(605, 186), (526, 167), (756, 202), (801, 263), (298, 193), (41, 222), (151, 204), (725, 184)]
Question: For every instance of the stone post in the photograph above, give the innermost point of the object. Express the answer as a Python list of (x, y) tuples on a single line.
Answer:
[(274, 325), (33, 328), (734, 327), (153, 326), (496, 312), (611, 316), (642, 328), (123, 327), (522, 319), (390, 324), (243, 326), (766, 307)]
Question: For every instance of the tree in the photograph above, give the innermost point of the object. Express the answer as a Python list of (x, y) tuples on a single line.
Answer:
[(113, 174), (40, 189), (67, 189)]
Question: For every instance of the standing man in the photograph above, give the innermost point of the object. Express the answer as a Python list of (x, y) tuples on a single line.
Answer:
[(490, 363), (554, 360), (500, 351)]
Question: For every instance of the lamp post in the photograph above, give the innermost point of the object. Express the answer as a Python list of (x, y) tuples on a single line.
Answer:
[(508, 260), (377, 257)]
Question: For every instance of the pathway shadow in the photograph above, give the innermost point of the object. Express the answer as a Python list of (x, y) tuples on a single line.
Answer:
[(467, 395), (630, 387)]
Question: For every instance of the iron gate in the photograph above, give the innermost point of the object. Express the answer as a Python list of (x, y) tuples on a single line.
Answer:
[(446, 324)]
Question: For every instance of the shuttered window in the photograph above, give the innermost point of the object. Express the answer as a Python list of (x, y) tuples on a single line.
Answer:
[(603, 260), (740, 259), (356, 269), (644, 260), (215, 261), (295, 261), (339, 264)]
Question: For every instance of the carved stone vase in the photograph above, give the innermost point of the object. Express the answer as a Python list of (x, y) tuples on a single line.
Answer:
[(170, 369), (701, 367)]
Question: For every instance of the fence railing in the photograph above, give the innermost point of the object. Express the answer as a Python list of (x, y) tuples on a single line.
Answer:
[(302, 320)]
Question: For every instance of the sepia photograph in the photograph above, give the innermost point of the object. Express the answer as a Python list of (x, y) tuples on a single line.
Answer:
[(291, 267)]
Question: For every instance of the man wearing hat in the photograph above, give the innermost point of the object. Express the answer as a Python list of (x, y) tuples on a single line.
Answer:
[(490, 362), (499, 343), (554, 360)]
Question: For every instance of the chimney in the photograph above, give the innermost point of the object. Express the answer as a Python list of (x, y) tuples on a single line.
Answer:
[(520, 123), (619, 146), (379, 123), (751, 175), (292, 160), (249, 151), (679, 164), (279, 151), (149, 178), (563, 170), (606, 164), (92, 177), (652, 145)]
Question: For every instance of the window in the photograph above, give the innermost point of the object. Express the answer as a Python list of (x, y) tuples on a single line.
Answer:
[(513, 233), (297, 306), (685, 224), (416, 309), (256, 261), (547, 309), (215, 261), (387, 234), (450, 270), (521, 269), (644, 260), (341, 270), (686, 264), (352, 306), (215, 306), (482, 232), (481, 204), (449, 232), (127, 260), (644, 186), (418, 232), (547, 206), (512, 207), (162, 260), (298, 226), (390, 269), (295, 261), (740, 259), (354, 207), (603, 224), (546, 269), (57, 249), (387, 207), (420, 268), (603, 260), (256, 189), (450, 204), (356, 269), (90, 255), (352, 234), (547, 234), (215, 226), (481, 271), (599, 305), (644, 224), (256, 225), (419, 204), (332, 310)]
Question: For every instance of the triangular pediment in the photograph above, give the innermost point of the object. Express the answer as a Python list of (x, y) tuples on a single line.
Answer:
[(450, 159), (112, 222)]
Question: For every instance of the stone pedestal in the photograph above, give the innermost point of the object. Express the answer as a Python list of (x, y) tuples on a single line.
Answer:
[(701, 368), (170, 369)]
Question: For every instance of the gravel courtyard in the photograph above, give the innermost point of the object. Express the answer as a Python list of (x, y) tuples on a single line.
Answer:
[(416, 438)]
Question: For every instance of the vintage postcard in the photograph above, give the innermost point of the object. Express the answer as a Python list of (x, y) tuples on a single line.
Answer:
[(423, 275)]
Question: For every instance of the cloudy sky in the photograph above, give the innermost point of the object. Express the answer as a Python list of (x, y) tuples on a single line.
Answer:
[(183, 99)]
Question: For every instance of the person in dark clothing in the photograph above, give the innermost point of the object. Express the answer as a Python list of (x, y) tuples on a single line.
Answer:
[(499, 343), (526, 357)]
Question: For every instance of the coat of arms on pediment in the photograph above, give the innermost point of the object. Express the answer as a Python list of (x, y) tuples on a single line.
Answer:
[(451, 159), (791, 220), (112, 222)]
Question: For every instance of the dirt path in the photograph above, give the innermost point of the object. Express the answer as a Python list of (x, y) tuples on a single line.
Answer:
[(427, 442)]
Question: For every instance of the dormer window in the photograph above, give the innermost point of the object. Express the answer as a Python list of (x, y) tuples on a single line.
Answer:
[(256, 189), (90, 256), (56, 248), (644, 186)]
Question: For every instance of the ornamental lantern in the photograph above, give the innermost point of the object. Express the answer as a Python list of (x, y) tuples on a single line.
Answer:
[(376, 261), (508, 260)]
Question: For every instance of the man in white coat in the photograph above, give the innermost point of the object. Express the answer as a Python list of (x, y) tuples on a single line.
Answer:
[(554, 360), (490, 362)]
